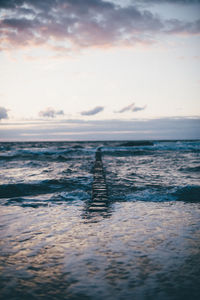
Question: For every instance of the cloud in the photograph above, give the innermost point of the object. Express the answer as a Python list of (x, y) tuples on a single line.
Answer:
[(171, 1), (131, 107), (3, 113), (137, 108), (127, 108), (179, 27), (93, 111), (77, 24), (51, 113), (162, 128)]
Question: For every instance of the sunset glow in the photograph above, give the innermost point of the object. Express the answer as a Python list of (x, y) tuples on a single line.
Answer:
[(95, 61)]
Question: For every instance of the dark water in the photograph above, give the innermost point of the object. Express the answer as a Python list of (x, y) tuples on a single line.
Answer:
[(143, 244)]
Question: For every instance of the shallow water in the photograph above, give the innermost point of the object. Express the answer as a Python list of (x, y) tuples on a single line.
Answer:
[(144, 244)]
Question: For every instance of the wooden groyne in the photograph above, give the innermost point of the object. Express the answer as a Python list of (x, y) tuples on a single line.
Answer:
[(98, 206), (99, 187)]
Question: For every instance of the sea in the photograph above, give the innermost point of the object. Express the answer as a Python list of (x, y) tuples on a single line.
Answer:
[(141, 242)]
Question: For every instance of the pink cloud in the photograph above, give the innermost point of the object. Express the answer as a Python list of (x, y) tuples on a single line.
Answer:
[(82, 24)]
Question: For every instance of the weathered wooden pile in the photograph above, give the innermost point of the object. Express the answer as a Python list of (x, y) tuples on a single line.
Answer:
[(99, 204)]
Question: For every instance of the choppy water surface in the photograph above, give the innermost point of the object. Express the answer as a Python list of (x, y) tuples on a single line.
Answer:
[(144, 244)]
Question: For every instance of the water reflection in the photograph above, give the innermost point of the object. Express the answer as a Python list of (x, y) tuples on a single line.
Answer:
[(95, 211), (143, 251)]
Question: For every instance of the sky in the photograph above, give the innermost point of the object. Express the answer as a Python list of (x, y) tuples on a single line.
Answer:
[(95, 70)]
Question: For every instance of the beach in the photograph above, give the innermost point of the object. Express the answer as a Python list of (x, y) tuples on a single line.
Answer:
[(143, 242)]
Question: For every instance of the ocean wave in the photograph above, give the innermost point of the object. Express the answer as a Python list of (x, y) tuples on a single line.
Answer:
[(46, 154), (56, 198), (22, 189), (149, 194), (137, 143), (177, 145), (155, 148), (190, 169), (43, 168), (120, 152), (43, 187), (158, 194), (188, 194)]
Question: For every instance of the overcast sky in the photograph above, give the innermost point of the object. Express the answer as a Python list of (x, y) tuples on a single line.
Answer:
[(104, 67)]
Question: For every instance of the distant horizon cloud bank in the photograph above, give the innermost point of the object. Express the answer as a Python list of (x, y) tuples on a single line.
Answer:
[(161, 128)]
